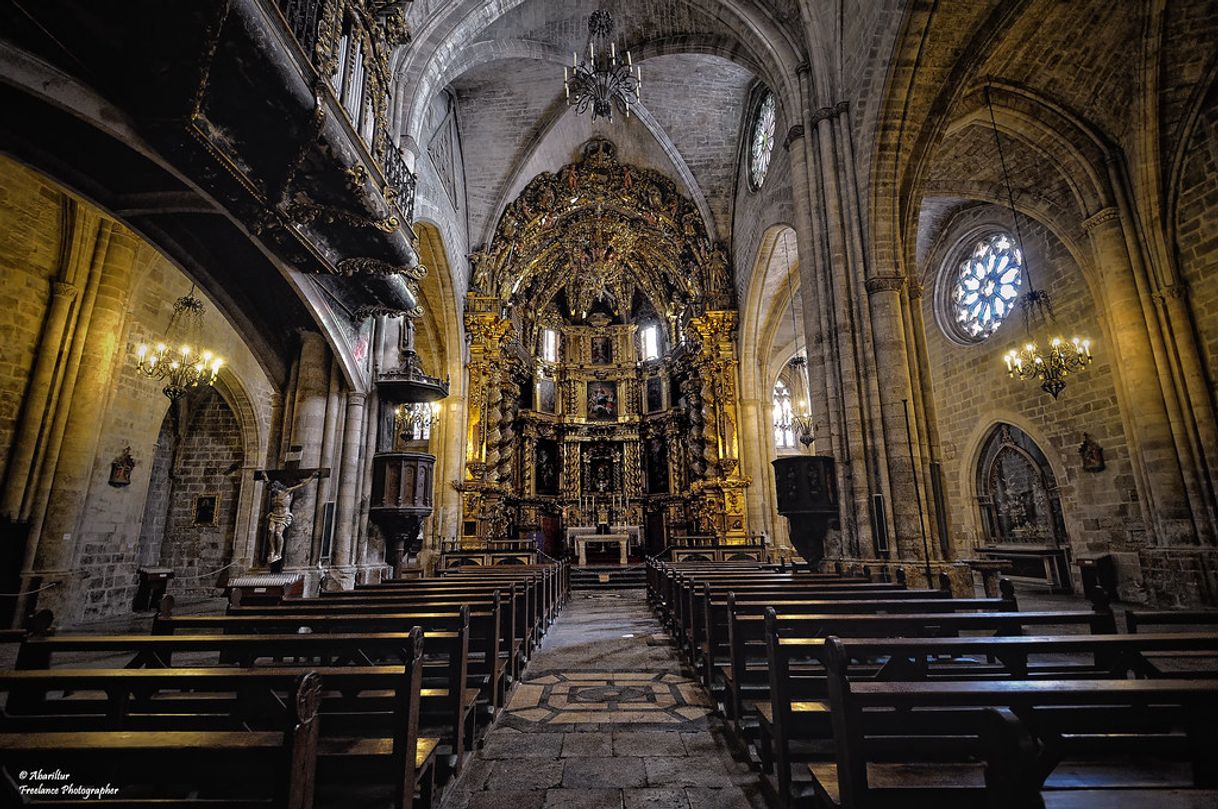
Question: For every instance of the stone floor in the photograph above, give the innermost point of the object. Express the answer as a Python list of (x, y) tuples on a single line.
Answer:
[(606, 718)]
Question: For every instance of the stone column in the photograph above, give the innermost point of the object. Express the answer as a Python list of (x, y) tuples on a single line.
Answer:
[(85, 405), (308, 433), (349, 474), (1156, 456), (892, 359), (1178, 324), (756, 437)]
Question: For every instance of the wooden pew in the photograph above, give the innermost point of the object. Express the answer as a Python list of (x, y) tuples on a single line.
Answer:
[(710, 642), (1194, 619), (918, 743), (369, 714), (447, 709), (532, 618), (691, 617), (518, 622), (485, 667), (720, 672), (146, 765), (795, 723), (511, 644)]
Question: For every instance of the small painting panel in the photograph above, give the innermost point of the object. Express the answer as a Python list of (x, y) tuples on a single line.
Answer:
[(655, 394), (205, 509), (602, 401), (602, 350), (547, 467), (547, 396)]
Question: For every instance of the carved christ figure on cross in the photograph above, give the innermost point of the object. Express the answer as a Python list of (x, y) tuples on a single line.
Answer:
[(280, 517)]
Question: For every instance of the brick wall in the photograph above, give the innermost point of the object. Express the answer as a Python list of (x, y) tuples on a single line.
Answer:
[(972, 391), (207, 462)]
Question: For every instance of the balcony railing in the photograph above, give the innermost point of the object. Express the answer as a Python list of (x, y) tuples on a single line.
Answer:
[(349, 43)]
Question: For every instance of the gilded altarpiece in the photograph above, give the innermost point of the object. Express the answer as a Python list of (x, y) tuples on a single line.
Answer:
[(566, 413)]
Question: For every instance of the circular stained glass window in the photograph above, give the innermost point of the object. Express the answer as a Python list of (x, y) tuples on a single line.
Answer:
[(987, 284), (762, 144)]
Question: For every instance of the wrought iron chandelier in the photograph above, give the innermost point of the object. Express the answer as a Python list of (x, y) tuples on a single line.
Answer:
[(180, 359), (801, 422), (1030, 361), (417, 418), (602, 80)]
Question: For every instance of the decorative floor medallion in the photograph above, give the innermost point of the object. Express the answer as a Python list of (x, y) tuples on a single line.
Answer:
[(608, 697)]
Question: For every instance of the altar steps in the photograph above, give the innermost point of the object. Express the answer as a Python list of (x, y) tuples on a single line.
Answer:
[(608, 577)]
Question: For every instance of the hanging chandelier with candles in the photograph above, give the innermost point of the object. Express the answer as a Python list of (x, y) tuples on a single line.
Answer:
[(1055, 359), (180, 359), (602, 80), (415, 419)]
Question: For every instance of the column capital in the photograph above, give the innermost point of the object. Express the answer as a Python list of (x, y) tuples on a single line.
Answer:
[(1171, 292), (1103, 216), (884, 283), (63, 289), (793, 134), (356, 398), (823, 114)]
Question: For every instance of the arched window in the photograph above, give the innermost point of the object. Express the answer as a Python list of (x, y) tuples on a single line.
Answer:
[(987, 282), (549, 345), (784, 433), (761, 141), (649, 342)]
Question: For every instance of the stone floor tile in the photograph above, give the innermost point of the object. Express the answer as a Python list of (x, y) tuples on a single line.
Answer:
[(636, 743), (587, 744), (498, 799), (693, 771), (521, 745), (725, 798), (654, 799), (601, 772), (514, 775), (583, 799)]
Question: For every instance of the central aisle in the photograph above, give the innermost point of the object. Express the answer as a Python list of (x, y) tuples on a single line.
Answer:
[(605, 719)]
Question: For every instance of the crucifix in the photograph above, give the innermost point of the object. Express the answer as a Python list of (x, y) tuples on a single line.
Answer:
[(284, 483)]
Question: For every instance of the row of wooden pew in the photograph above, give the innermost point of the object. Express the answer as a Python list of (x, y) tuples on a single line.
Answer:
[(856, 693), (373, 696)]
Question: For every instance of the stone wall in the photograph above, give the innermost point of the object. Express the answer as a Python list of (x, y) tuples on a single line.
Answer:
[(100, 538), (208, 463), (1196, 236), (972, 392)]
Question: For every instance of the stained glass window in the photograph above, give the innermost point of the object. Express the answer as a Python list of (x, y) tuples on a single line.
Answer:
[(987, 284), (784, 434), (762, 145)]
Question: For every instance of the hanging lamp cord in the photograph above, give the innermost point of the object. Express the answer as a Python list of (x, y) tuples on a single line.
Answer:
[(1006, 182)]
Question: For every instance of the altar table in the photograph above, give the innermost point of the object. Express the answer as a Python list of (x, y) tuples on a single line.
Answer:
[(582, 540)]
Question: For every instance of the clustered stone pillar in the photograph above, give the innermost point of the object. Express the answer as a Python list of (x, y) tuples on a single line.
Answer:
[(1157, 456), (350, 469), (57, 480), (860, 360), (307, 436)]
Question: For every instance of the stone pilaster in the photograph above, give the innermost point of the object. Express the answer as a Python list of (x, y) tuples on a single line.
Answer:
[(1156, 455), (350, 470)]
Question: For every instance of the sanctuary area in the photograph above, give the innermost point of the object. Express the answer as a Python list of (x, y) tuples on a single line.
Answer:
[(609, 403)]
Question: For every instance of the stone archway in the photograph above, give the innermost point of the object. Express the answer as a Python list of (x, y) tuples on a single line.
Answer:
[(191, 511)]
